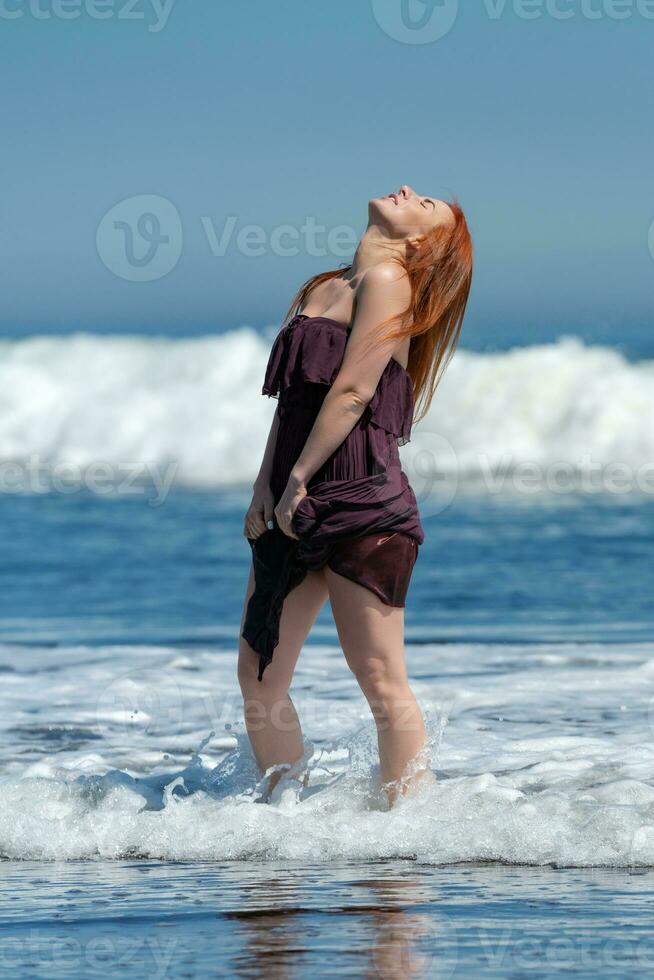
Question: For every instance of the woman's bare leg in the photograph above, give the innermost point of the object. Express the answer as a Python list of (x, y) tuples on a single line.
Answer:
[(372, 637), (270, 718)]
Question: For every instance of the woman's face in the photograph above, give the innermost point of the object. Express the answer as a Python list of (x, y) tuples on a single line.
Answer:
[(406, 214)]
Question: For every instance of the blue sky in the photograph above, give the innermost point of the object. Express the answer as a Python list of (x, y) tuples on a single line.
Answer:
[(266, 114)]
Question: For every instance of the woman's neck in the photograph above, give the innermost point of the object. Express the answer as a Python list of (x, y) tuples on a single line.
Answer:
[(375, 247)]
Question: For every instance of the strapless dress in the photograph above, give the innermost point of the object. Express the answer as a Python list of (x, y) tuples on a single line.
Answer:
[(360, 515)]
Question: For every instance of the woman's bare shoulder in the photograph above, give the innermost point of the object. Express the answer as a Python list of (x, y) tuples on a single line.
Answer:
[(387, 282)]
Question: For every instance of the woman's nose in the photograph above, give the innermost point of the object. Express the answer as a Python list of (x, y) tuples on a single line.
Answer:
[(406, 190)]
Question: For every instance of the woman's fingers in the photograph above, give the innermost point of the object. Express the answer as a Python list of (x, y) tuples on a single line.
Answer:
[(254, 524), (263, 518), (284, 523)]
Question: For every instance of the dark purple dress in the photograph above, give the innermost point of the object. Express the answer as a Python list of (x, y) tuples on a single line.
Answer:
[(360, 514)]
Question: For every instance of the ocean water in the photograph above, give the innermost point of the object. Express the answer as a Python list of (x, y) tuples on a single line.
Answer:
[(129, 829)]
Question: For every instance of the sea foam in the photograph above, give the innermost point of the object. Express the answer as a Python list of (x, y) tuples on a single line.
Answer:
[(195, 405), (544, 757)]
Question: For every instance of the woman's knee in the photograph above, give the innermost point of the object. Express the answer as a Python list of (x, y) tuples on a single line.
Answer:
[(384, 689), (273, 684), (373, 677)]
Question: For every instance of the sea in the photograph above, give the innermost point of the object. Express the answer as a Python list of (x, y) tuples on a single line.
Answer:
[(132, 836)]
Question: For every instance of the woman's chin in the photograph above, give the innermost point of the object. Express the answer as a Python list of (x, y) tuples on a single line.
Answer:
[(378, 208)]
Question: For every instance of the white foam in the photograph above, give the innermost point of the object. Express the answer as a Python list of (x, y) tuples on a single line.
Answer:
[(469, 818), (196, 404), (546, 762)]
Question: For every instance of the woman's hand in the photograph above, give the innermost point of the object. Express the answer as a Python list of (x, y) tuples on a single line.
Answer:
[(288, 502), (259, 516)]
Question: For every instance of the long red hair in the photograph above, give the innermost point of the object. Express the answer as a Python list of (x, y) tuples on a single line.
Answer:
[(440, 274)]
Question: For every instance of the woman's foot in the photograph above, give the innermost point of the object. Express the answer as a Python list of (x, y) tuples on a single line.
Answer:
[(285, 769), (418, 782)]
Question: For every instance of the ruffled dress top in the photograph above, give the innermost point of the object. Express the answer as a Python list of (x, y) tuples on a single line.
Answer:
[(358, 494)]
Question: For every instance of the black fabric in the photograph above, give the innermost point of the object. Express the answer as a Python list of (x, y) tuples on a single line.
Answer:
[(382, 564), (276, 572)]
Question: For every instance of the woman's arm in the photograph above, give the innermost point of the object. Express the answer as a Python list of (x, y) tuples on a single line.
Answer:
[(259, 515), (384, 292), (263, 477)]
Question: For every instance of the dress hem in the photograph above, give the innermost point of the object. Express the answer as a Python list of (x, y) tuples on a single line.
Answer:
[(370, 588)]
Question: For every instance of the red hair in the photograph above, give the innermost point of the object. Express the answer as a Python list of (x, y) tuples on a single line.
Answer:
[(439, 269)]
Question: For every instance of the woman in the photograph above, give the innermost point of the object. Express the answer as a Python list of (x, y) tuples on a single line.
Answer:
[(333, 514)]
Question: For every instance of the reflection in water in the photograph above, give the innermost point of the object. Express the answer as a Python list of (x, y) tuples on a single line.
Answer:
[(409, 940), (384, 939), (383, 920)]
